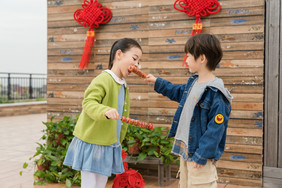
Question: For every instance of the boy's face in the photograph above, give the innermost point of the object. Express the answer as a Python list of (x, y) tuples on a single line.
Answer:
[(194, 65)]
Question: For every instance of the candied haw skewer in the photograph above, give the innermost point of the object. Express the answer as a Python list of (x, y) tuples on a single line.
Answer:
[(137, 71), (137, 123)]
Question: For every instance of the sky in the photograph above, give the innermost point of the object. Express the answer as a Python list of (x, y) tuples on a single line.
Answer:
[(23, 36)]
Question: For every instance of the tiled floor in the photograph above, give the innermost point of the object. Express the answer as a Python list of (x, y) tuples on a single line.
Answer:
[(18, 137)]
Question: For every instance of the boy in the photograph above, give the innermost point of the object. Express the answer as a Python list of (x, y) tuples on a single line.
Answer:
[(200, 122)]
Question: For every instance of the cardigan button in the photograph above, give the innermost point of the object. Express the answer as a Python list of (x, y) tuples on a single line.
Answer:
[(190, 138), (190, 155), (193, 119)]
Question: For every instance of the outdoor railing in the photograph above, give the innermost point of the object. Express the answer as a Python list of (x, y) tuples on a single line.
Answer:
[(22, 86)]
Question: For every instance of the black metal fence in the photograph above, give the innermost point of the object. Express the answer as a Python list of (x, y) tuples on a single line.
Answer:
[(22, 86)]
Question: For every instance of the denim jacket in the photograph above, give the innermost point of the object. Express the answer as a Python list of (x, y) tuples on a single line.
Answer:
[(207, 133)]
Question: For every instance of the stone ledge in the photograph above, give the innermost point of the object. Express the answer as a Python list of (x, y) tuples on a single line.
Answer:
[(14, 109)]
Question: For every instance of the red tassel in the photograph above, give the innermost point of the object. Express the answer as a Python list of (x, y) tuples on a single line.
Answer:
[(87, 50), (197, 29), (184, 60)]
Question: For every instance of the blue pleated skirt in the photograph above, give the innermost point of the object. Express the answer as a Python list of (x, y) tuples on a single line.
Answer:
[(103, 160)]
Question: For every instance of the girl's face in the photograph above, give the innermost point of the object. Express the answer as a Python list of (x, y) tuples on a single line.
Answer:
[(125, 60), (193, 65)]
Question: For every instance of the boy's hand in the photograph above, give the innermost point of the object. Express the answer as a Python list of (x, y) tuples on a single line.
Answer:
[(112, 114), (196, 165), (150, 78)]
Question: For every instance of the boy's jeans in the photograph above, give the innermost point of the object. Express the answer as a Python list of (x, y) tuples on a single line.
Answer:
[(191, 177)]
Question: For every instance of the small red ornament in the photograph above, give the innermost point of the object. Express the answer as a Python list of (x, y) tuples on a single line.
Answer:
[(197, 8), (91, 15), (130, 178)]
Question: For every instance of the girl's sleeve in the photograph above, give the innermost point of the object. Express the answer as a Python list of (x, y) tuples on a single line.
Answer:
[(166, 88), (93, 97)]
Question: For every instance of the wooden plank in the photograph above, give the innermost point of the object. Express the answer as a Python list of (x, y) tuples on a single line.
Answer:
[(239, 174), (239, 165), (147, 65), (244, 132), (272, 182), (272, 172), (246, 140), (255, 149), (225, 3), (279, 162), (272, 84), (245, 123), (243, 157), (231, 12)]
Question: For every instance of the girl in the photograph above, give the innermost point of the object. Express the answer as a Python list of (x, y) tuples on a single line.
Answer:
[(95, 149)]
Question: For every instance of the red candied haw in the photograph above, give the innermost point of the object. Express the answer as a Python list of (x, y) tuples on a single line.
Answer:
[(127, 120), (137, 123), (131, 68), (146, 125), (132, 121), (142, 123), (123, 119)]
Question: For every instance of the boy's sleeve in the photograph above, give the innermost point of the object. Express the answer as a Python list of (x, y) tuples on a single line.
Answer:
[(166, 88), (91, 104), (216, 131)]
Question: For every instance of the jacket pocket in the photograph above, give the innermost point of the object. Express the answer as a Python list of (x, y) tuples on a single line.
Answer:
[(204, 175), (204, 112)]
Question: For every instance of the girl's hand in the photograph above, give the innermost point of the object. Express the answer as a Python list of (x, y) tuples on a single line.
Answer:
[(196, 165), (150, 78), (112, 114)]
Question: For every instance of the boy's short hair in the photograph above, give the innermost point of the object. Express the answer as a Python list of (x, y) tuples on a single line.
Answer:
[(206, 44)]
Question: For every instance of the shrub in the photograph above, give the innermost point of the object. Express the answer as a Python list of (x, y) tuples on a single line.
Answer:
[(152, 143), (50, 155)]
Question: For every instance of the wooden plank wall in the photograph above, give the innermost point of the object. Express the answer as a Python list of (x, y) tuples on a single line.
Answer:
[(272, 176), (162, 31)]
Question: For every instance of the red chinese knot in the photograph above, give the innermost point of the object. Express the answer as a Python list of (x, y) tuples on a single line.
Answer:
[(91, 15), (197, 8), (130, 178)]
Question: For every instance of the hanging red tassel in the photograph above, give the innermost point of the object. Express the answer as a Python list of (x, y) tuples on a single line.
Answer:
[(91, 15), (87, 50), (197, 8), (184, 60)]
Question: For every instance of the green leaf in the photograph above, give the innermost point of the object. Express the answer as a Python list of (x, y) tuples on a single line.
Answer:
[(131, 142), (156, 154), (68, 183), (146, 140), (141, 156), (25, 165), (21, 173), (151, 150), (164, 142)]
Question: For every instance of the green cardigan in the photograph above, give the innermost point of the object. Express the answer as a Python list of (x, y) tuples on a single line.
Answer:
[(100, 96)]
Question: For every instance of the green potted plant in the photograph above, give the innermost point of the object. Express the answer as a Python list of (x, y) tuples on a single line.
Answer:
[(151, 143), (50, 154)]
